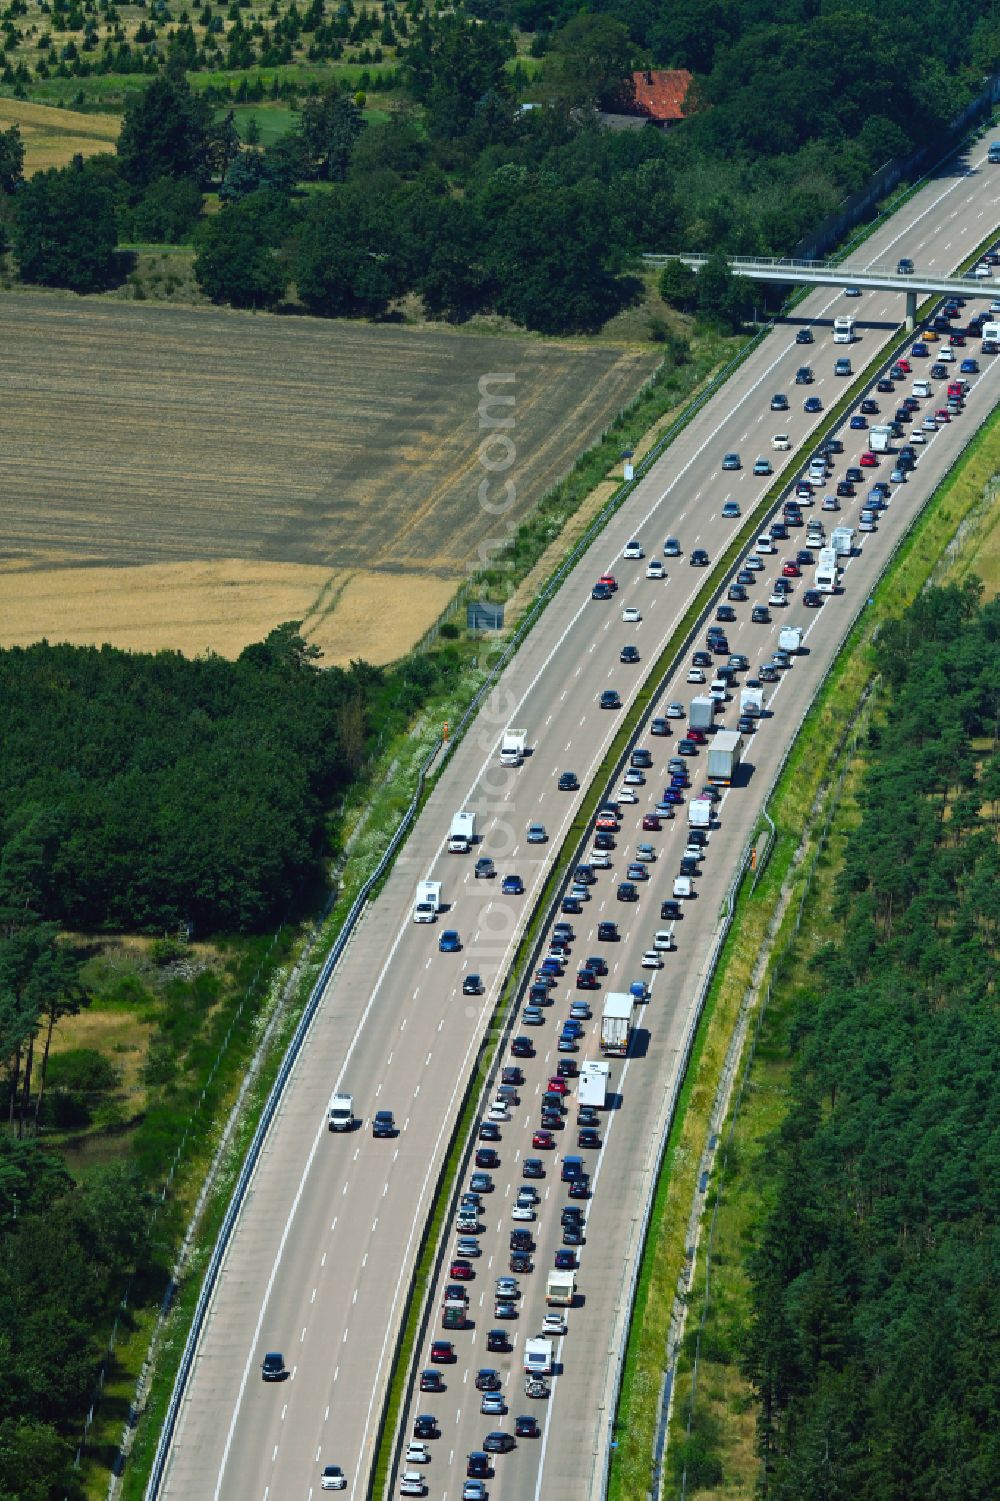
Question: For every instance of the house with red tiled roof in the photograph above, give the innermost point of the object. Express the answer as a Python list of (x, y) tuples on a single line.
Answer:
[(660, 94)]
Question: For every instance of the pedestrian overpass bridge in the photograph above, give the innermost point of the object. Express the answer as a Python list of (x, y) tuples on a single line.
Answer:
[(843, 274)]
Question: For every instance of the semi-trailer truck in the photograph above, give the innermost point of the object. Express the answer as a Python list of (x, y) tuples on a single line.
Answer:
[(616, 1024), (428, 901), (463, 832), (724, 757), (593, 1086), (512, 746), (702, 713)]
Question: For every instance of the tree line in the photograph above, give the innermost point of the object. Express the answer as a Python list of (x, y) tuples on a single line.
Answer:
[(875, 1290), (489, 191)]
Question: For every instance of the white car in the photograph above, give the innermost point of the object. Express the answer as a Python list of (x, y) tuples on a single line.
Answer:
[(522, 1212), (946, 354), (663, 940), (411, 1483), (651, 960), (781, 442), (982, 271), (634, 778), (599, 859), (693, 852), (777, 599), (765, 544), (334, 1479), (695, 675), (553, 1323), (717, 691), (498, 1112), (625, 795), (527, 1195), (753, 562), (655, 569), (630, 615), (917, 436), (417, 1453), (682, 885), (674, 711), (633, 550)]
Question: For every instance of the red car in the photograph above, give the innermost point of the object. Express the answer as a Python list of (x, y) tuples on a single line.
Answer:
[(651, 823), (904, 364), (608, 823), (557, 1085), (791, 570), (957, 338), (868, 460), (543, 1139), (942, 414), (610, 580), (698, 737), (461, 1271), (443, 1352)]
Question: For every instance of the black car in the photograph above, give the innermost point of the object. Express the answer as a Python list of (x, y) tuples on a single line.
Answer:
[(497, 1342), (572, 906), (760, 615), (689, 866), (627, 892), (610, 700), (725, 613), (746, 724), (804, 375), (629, 654), (586, 979), (520, 1240), (812, 599), (844, 487), (588, 1140), (489, 1157), (737, 593), (670, 910), (642, 757), (520, 1261), (489, 1130), (498, 1443), (484, 868), (885, 385), (521, 1047), (701, 659), (573, 1235), (699, 558), (383, 1123), (425, 1426), (804, 336), (580, 1188), (567, 1068), (511, 1074), (600, 591), (659, 727), (272, 1367), (687, 747), (487, 1379), (538, 995), (532, 1167), (804, 558), (603, 840), (720, 646), (779, 403), (568, 782), (869, 407), (551, 1120), (478, 1464), (854, 474), (431, 1381), (526, 1426), (607, 932), (832, 445), (472, 985)]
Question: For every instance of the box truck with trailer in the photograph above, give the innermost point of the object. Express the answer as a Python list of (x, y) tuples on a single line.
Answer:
[(428, 901), (512, 746), (616, 1023), (702, 713), (592, 1088), (724, 757), (463, 832)]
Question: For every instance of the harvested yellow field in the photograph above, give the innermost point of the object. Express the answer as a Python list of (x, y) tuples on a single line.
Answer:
[(189, 478), (52, 137)]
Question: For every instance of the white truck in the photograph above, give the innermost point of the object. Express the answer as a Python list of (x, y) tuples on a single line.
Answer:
[(842, 541), (790, 637), (700, 813), (340, 1116), (880, 438), (560, 1289), (752, 701), (616, 1023), (724, 757), (843, 329), (463, 832), (428, 901), (826, 571), (593, 1086), (512, 746), (991, 331), (538, 1357), (702, 713)]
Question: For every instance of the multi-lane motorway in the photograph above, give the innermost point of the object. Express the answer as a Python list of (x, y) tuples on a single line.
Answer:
[(320, 1263)]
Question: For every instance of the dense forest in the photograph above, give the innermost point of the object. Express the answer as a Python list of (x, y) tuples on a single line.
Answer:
[(875, 1344), (488, 189)]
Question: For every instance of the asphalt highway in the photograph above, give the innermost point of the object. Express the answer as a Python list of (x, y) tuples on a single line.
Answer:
[(321, 1260)]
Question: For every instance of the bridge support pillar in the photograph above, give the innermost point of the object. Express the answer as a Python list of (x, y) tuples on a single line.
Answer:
[(911, 311)]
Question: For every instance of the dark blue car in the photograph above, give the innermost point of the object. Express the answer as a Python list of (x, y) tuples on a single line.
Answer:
[(449, 942)]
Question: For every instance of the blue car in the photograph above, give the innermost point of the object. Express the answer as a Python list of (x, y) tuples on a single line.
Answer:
[(969, 366), (573, 1028), (512, 886), (812, 404), (919, 351), (858, 422), (671, 795), (449, 942)]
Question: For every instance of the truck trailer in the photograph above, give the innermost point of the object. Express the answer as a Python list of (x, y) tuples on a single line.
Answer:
[(880, 438), (512, 746), (616, 1024), (826, 571), (724, 757), (842, 541), (463, 832), (593, 1085), (538, 1357), (790, 637), (560, 1289), (752, 701)]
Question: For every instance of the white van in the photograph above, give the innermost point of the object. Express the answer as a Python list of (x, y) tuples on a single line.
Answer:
[(764, 543), (921, 388)]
